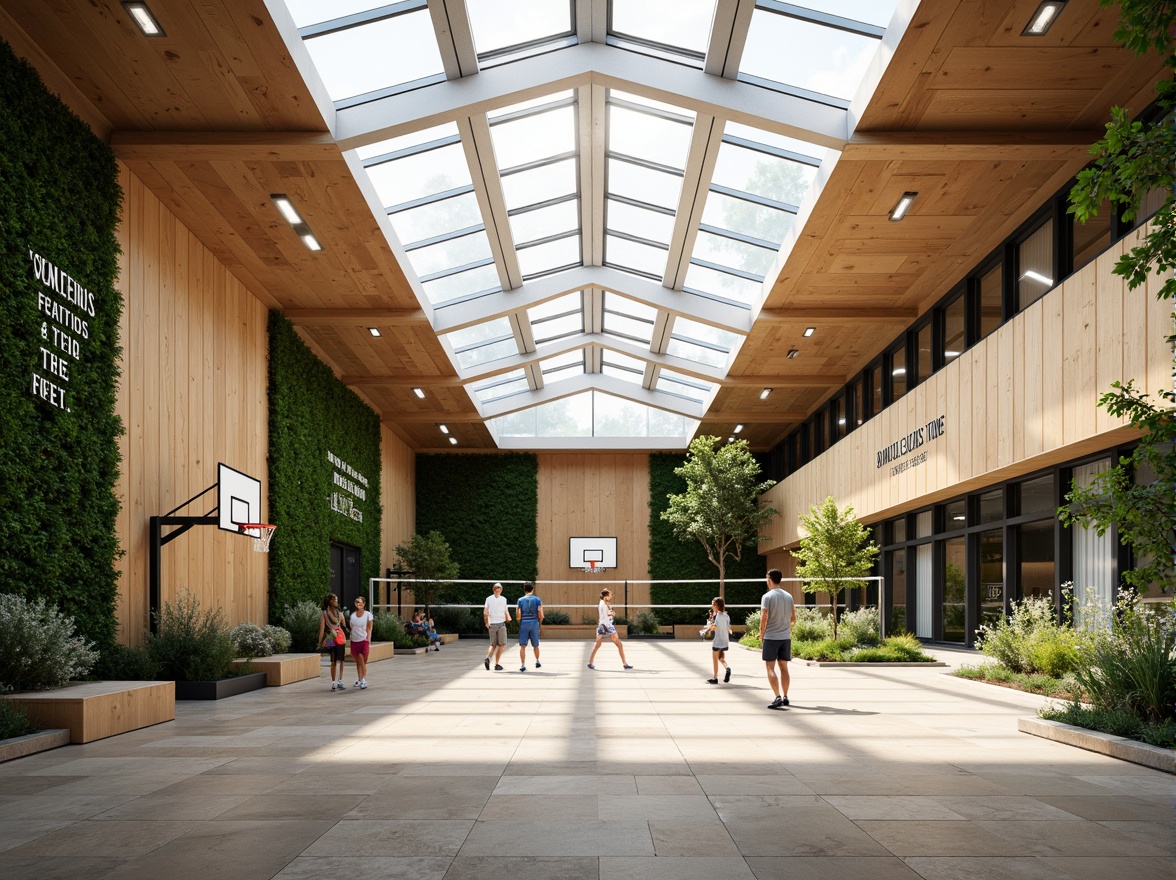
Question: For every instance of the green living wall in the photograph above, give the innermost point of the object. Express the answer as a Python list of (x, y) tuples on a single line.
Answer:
[(59, 351), (671, 559), (487, 507), (324, 471)]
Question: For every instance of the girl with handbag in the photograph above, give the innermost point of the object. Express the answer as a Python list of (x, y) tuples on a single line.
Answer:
[(332, 637)]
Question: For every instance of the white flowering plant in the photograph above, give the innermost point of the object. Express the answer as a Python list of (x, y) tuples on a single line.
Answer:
[(40, 648)]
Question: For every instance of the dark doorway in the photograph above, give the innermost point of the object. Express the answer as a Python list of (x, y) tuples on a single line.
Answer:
[(345, 574)]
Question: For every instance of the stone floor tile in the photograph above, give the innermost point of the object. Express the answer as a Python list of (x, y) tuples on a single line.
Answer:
[(17, 832), (835, 868), (530, 868), (699, 868), (1074, 838), (907, 838), (539, 807), (346, 867), (1110, 808), (893, 807), (467, 805), (173, 807), (686, 837), (779, 834), (1161, 835), (1094, 868), (644, 807), (58, 867), (1014, 868), (117, 839), (594, 784), (647, 785), (392, 837), (1004, 808), (562, 837)]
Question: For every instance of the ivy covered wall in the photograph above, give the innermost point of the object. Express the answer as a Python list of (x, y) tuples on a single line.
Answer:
[(59, 349), (670, 558), (487, 508), (324, 471)]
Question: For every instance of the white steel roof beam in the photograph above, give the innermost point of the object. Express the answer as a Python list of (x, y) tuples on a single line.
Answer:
[(455, 38), (597, 64), (700, 167), (479, 153), (592, 382)]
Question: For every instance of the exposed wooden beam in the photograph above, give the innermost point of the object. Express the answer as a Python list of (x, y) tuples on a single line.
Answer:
[(445, 418), (802, 380), (754, 418), (388, 379), (980, 146), (225, 146), (355, 317), (798, 315)]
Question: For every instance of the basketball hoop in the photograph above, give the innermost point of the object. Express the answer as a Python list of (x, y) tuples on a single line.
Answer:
[(261, 533), (591, 568)]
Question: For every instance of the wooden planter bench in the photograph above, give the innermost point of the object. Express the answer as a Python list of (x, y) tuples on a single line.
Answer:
[(283, 669), (97, 709)]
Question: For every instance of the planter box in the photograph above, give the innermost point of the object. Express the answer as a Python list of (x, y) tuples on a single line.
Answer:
[(412, 650), (220, 690), (283, 669), (1104, 743), (97, 709), (376, 651), (657, 635), (41, 741), (448, 638)]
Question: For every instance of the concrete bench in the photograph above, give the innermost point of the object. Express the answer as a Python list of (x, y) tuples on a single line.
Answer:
[(282, 669), (97, 709)]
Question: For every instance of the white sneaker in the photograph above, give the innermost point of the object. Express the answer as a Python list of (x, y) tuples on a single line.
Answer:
[(362, 684), (356, 683)]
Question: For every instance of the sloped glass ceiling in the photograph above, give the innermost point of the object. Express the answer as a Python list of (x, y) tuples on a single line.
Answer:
[(592, 254)]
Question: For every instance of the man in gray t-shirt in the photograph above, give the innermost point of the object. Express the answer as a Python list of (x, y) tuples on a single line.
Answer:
[(777, 614)]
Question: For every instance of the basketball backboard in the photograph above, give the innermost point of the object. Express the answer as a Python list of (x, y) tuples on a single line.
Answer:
[(238, 498), (602, 551)]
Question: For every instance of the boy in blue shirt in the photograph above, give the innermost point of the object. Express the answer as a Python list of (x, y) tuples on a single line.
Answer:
[(530, 608)]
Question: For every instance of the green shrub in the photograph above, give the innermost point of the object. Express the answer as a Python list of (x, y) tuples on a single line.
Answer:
[(645, 622), (387, 627), (1031, 639), (191, 643), (1064, 687), (120, 663), (824, 649), (862, 627), (249, 641), (1132, 667), (463, 620), (39, 646), (811, 625), (14, 722), (556, 618), (301, 620), (279, 638)]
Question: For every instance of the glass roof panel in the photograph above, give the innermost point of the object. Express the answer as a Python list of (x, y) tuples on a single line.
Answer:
[(763, 174), (684, 24), (614, 302), (482, 279), (308, 12), (821, 59), (634, 255), (534, 137), (555, 98), (694, 352), (479, 334), (385, 53), (500, 24), (550, 220), (793, 145), (629, 329), (558, 254), (558, 306), (646, 136), (618, 417), (567, 417), (539, 184), (420, 174), (643, 222), (436, 218), (634, 377), (624, 362), (747, 217), (644, 184), (406, 141), (733, 253), (503, 386), (688, 329), (551, 329), (675, 383), (572, 361), (487, 352), (875, 12), (731, 287), (450, 253)]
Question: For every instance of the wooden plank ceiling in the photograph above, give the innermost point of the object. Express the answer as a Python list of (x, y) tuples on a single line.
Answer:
[(984, 123)]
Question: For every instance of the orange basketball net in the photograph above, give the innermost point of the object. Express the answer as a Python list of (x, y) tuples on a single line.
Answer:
[(261, 533)]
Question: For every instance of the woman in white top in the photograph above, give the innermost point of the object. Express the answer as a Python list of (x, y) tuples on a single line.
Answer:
[(605, 627), (720, 622), (361, 639)]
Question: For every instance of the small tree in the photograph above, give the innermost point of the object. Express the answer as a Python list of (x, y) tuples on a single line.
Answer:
[(1134, 159), (833, 552), (427, 557), (720, 507)]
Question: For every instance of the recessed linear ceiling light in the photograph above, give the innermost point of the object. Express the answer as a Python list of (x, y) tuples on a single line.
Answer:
[(1043, 19), (809, 331), (904, 204), (841, 421), (764, 394), (290, 215), (793, 352), (898, 371), (375, 331), (444, 429), (453, 441), (738, 428), (143, 19), (1038, 277), (419, 393)]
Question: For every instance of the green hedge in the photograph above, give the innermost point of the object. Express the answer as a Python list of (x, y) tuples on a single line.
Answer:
[(311, 413), (671, 559), (60, 200), (487, 507)]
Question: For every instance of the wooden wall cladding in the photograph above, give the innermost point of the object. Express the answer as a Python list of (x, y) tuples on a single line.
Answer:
[(398, 495), (590, 495), (192, 394), (1023, 398)]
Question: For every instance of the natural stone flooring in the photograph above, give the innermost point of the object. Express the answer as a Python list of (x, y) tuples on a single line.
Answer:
[(441, 769)]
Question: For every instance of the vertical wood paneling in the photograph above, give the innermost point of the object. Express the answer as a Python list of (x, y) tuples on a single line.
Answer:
[(1022, 399), (398, 493), (192, 393)]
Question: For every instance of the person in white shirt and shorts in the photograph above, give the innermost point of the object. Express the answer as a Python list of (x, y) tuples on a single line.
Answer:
[(496, 613)]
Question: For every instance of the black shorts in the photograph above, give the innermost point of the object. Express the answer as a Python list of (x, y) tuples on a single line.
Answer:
[(337, 652), (777, 649)]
